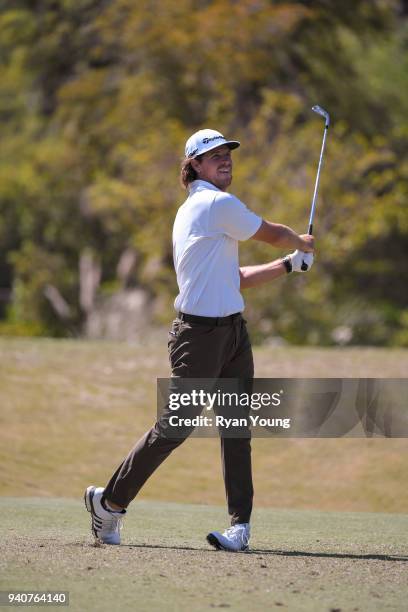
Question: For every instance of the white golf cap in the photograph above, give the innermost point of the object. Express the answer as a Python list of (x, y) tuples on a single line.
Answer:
[(206, 140)]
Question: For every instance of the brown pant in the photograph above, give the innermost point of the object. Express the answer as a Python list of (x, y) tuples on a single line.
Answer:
[(197, 351)]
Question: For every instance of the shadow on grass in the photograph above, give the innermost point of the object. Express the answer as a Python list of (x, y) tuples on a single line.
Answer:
[(282, 553), (302, 553)]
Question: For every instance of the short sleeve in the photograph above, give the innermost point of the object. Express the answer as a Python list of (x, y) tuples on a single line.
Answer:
[(230, 216)]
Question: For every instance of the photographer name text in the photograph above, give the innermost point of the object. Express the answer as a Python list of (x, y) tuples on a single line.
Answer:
[(228, 423)]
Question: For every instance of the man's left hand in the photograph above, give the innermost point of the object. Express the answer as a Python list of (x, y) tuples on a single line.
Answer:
[(298, 258)]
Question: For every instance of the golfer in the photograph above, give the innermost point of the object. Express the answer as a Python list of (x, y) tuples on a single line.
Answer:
[(208, 338)]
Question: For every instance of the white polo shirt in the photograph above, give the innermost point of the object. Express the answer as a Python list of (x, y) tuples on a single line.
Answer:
[(206, 232)]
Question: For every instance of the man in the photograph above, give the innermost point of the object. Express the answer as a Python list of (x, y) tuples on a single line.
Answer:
[(208, 338)]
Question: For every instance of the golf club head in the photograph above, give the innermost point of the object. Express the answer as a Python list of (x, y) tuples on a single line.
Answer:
[(320, 111)]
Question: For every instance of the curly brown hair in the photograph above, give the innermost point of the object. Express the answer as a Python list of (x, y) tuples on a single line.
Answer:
[(187, 172)]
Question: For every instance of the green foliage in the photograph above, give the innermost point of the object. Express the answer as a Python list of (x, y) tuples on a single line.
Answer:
[(98, 98)]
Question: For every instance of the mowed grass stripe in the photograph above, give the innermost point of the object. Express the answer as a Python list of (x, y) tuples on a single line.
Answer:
[(71, 409), (299, 560)]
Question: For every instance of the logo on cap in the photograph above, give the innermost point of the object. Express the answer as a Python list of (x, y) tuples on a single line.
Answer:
[(207, 140)]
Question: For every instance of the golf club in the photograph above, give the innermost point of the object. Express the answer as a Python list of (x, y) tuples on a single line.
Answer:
[(320, 111)]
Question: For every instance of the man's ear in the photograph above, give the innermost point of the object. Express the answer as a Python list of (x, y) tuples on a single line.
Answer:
[(195, 165)]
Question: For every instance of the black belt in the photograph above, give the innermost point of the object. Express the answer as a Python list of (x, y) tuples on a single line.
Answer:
[(215, 321)]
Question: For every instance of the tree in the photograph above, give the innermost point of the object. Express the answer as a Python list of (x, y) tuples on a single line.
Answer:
[(99, 96)]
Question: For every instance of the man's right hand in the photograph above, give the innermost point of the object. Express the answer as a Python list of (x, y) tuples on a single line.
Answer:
[(306, 243)]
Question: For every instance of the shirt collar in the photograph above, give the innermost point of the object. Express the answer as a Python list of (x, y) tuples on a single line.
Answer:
[(199, 185)]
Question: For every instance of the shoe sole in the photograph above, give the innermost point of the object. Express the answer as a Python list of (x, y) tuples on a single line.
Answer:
[(88, 497), (212, 540)]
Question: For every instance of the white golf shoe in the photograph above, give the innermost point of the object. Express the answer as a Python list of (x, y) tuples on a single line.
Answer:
[(234, 539), (105, 524)]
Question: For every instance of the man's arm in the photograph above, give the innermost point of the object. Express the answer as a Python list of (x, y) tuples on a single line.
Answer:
[(252, 276), (282, 236)]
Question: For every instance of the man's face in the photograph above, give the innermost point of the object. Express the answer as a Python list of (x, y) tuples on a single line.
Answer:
[(215, 167)]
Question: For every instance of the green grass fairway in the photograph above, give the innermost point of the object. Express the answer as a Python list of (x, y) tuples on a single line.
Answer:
[(71, 409), (299, 560)]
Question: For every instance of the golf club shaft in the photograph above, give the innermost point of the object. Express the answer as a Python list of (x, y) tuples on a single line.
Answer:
[(320, 111), (316, 188)]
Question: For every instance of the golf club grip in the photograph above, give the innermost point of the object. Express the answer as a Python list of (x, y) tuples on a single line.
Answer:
[(304, 266)]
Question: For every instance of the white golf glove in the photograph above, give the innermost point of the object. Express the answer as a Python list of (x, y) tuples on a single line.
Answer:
[(300, 261)]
